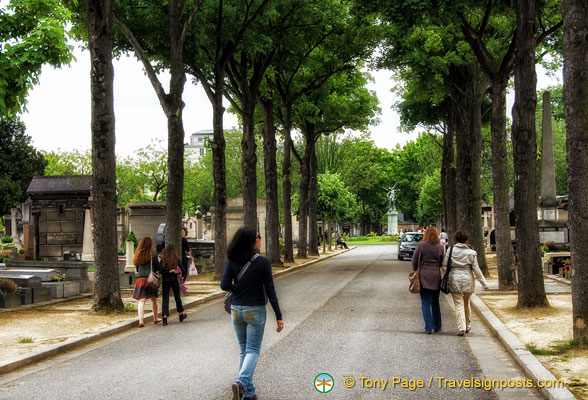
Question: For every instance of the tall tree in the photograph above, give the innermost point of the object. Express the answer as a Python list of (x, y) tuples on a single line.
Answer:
[(212, 47), (575, 43), (531, 287), (491, 32), (272, 210), (143, 29), (106, 283), (342, 102), (498, 69), (32, 33), (19, 162)]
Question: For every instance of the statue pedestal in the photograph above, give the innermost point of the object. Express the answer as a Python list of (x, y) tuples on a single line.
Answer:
[(393, 222)]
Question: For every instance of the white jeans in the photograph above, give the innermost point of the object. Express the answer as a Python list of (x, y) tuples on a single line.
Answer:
[(462, 310)]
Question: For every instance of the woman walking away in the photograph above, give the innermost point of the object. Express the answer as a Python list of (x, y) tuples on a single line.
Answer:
[(444, 238), (171, 276), (464, 260), (428, 256), (248, 311), (145, 260)]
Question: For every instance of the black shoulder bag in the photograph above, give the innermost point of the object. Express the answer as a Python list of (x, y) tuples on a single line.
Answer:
[(229, 296), (445, 287)]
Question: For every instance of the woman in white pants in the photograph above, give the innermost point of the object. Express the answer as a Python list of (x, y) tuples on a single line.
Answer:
[(464, 264)]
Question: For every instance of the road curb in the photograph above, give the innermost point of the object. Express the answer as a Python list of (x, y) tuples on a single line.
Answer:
[(523, 357), (73, 343)]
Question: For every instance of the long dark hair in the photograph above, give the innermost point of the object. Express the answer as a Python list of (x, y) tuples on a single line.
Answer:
[(144, 251), (241, 247), (169, 257)]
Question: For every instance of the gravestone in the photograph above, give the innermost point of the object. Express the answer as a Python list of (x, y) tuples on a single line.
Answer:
[(29, 281), (41, 294), (26, 295), (44, 275)]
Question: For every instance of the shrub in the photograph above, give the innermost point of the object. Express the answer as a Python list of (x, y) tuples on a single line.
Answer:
[(132, 238), (21, 251), (7, 239), (372, 234), (8, 286)]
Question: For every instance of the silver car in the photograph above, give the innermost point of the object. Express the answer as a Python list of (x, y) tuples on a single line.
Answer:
[(407, 244)]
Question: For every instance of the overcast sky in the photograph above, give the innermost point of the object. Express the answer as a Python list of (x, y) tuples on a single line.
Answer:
[(58, 115)]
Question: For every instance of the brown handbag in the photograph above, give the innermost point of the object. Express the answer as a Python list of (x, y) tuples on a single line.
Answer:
[(154, 279), (414, 284)]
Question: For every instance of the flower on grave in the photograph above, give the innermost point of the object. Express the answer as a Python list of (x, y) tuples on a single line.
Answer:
[(184, 288)]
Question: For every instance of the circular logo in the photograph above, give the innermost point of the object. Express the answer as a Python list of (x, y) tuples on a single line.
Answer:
[(324, 383)]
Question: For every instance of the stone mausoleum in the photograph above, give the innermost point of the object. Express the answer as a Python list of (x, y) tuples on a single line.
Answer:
[(56, 208)]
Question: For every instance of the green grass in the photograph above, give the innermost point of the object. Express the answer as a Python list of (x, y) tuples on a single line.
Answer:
[(555, 350), (372, 240), (26, 340)]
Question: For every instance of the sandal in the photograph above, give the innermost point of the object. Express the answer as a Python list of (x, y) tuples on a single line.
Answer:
[(141, 325), (157, 321)]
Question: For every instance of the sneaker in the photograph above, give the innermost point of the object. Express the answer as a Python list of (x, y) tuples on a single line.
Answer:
[(437, 330), (250, 398), (460, 333), (238, 390), (428, 332)]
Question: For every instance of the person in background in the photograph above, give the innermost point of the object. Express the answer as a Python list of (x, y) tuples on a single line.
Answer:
[(428, 256), (145, 260), (443, 238), (464, 260), (341, 242), (248, 312), (170, 279), (186, 256)]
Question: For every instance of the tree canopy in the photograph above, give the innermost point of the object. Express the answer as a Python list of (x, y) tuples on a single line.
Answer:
[(19, 162)]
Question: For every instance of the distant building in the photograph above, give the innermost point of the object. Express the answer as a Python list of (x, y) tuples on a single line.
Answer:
[(197, 146)]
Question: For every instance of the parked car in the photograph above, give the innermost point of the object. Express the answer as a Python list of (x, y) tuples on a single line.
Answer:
[(407, 244)]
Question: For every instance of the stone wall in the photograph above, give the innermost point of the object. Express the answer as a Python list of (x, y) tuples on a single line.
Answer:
[(60, 232), (145, 218)]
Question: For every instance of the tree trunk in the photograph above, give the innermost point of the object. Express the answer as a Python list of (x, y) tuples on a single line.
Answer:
[(504, 260), (469, 147), (220, 177), (249, 165), (303, 198), (271, 182), (287, 188), (575, 43), (175, 126), (106, 283), (448, 182), (312, 200), (524, 138)]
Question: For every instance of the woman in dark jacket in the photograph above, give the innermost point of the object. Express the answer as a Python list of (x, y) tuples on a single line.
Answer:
[(145, 260), (248, 311), (170, 275), (429, 256)]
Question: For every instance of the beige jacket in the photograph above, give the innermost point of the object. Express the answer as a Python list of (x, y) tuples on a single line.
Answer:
[(464, 260)]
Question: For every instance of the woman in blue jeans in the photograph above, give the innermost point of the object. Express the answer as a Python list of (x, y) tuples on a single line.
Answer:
[(248, 311), (428, 255)]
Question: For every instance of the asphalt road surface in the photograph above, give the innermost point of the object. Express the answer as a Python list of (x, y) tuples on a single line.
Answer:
[(348, 316)]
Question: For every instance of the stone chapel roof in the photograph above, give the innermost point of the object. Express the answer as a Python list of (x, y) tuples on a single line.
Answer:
[(60, 184)]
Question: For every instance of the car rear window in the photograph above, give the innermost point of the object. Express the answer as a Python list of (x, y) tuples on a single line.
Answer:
[(412, 237)]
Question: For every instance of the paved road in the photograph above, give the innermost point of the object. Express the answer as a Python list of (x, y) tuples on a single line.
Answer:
[(349, 316)]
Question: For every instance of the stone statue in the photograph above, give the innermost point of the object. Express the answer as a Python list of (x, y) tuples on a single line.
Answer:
[(391, 197)]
